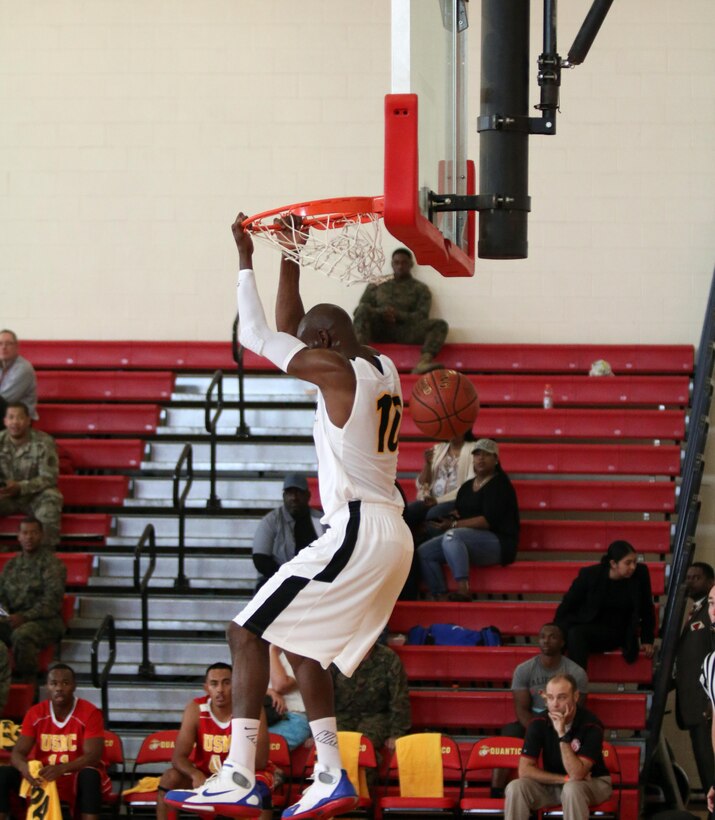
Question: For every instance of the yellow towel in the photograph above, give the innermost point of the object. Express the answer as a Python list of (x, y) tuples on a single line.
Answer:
[(349, 745), (419, 764), (42, 803), (9, 733), (146, 784)]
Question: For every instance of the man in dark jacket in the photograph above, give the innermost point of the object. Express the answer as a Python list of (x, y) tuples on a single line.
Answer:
[(692, 705)]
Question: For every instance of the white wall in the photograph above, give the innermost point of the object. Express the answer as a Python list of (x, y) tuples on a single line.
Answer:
[(132, 132)]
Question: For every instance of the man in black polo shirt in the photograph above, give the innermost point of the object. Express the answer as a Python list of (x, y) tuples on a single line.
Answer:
[(572, 772)]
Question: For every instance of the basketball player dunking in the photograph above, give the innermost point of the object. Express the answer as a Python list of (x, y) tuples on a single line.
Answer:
[(328, 604)]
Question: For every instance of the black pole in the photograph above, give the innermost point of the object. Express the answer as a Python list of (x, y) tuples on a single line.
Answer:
[(588, 31), (504, 129)]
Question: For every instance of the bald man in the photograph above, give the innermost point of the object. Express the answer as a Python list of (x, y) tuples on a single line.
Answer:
[(329, 603)]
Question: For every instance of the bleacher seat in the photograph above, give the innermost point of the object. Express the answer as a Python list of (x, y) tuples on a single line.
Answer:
[(79, 566), (73, 525), (469, 710), (577, 423), (596, 496), (497, 663), (557, 458), (670, 391), (550, 358), (102, 454), (593, 536), (69, 385), (19, 700), (81, 419), (94, 490)]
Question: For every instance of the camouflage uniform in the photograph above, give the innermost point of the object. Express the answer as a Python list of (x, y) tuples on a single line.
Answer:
[(32, 585), (36, 466), (375, 700), (411, 301)]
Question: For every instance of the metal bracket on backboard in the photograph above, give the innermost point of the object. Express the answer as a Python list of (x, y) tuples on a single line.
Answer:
[(478, 202), (545, 124)]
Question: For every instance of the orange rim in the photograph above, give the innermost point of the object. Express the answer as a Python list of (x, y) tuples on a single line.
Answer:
[(337, 212)]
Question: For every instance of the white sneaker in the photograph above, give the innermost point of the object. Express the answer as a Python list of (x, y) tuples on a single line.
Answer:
[(330, 793), (232, 791)]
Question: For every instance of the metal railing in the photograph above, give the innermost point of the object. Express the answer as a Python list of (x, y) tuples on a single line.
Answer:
[(148, 539), (210, 423), (101, 679), (242, 431), (181, 582), (684, 535)]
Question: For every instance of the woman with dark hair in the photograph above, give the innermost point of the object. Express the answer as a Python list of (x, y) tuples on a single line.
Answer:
[(483, 530), (609, 605)]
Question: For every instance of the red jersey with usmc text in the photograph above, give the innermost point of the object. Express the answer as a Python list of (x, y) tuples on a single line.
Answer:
[(63, 741), (213, 740)]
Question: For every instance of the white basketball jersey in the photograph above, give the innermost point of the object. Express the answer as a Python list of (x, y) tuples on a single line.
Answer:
[(359, 461)]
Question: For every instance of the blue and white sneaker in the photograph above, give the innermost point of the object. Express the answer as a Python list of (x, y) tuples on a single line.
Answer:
[(330, 793), (232, 791)]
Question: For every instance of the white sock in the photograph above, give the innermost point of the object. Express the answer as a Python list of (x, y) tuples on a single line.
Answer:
[(325, 735), (244, 737)]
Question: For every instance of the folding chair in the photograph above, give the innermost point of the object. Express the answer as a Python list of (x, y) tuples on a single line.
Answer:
[(396, 801), (367, 760), (486, 755), (157, 748), (279, 755), (608, 808), (113, 759)]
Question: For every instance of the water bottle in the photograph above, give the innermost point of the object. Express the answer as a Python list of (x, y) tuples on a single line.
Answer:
[(548, 397)]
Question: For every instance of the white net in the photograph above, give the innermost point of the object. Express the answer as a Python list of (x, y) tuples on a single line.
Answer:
[(347, 247)]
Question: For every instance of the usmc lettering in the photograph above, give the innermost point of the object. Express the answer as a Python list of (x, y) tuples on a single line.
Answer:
[(216, 744), (58, 743)]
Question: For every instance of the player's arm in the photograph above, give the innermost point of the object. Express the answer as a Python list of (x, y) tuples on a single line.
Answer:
[(281, 681), (188, 733), (18, 757), (522, 706)]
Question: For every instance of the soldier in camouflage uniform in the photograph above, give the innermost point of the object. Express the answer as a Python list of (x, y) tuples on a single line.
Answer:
[(398, 311), (29, 469), (32, 587), (375, 700)]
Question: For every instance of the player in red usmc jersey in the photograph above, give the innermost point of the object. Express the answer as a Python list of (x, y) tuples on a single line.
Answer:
[(204, 740), (66, 734)]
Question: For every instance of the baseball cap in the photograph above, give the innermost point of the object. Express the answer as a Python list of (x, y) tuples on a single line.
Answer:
[(488, 445), (297, 480)]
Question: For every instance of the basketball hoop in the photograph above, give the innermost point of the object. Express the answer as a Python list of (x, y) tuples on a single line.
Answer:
[(340, 237)]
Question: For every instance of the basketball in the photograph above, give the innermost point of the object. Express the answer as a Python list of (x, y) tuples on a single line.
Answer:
[(444, 404)]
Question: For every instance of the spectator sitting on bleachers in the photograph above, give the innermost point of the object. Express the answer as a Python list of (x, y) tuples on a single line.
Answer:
[(17, 376), (206, 731), (283, 532), (32, 587), (483, 530), (287, 701), (375, 700), (572, 772), (29, 469), (447, 466), (398, 311), (607, 606), (528, 684), (66, 735)]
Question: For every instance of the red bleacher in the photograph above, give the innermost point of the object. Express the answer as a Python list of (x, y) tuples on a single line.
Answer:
[(79, 525), (93, 490), (131, 419), (574, 390), (460, 708), (68, 385), (579, 423), (497, 663), (593, 536), (513, 618), (610, 496), (102, 454), (557, 457)]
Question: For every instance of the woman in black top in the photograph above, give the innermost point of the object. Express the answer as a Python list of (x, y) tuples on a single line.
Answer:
[(609, 605), (483, 530)]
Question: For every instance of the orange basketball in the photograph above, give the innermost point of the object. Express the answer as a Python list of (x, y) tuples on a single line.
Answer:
[(444, 404)]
